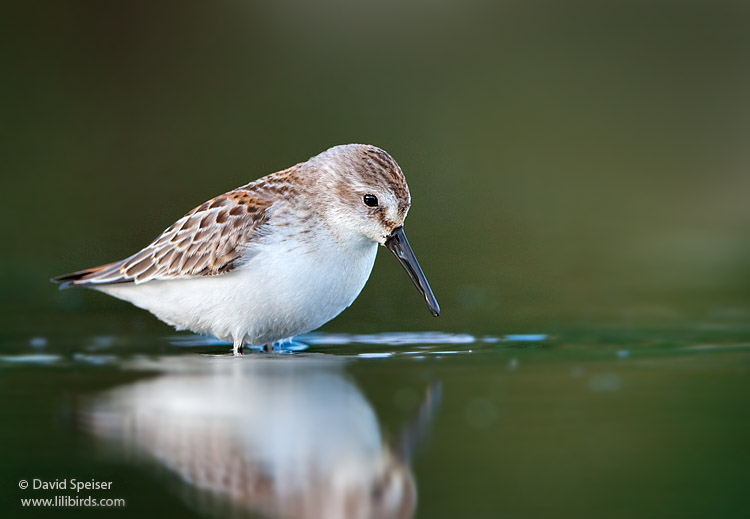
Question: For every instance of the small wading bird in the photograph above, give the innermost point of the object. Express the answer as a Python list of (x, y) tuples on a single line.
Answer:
[(275, 258)]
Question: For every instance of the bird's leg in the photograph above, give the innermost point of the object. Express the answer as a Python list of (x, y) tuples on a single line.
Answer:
[(238, 346)]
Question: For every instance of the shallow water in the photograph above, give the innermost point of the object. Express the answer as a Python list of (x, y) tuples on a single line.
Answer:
[(582, 422)]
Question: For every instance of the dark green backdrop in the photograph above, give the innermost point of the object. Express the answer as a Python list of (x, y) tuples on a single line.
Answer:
[(567, 160)]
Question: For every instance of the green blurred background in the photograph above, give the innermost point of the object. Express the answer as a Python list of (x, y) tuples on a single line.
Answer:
[(570, 162)]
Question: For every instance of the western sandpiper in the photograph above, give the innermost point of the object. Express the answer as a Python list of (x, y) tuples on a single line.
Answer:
[(275, 258)]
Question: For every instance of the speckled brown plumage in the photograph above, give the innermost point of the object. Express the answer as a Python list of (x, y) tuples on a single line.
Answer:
[(205, 242), (208, 240)]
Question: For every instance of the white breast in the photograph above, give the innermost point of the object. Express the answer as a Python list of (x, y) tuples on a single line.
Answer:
[(287, 287)]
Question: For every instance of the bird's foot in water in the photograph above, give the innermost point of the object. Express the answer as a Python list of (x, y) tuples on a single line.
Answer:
[(286, 346), (282, 347)]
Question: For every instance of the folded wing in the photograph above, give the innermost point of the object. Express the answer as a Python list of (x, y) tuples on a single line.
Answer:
[(209, 240)]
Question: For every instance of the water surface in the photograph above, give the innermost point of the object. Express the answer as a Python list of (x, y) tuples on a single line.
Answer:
[(613, 422)]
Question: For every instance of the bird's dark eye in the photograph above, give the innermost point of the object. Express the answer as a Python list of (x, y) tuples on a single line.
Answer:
[(370, 200)]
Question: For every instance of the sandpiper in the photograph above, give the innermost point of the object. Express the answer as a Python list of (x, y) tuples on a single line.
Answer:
[(275, 258)]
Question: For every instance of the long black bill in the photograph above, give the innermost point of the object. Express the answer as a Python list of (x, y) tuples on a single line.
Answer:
[(399, 246)]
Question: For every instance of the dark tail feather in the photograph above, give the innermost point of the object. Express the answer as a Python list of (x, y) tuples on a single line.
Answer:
[(79, 277)]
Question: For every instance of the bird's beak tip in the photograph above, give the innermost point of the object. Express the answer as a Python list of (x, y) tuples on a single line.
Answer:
[(399, 246)]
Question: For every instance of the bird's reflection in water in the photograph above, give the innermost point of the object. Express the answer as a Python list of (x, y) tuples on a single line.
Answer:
[(283, 437)]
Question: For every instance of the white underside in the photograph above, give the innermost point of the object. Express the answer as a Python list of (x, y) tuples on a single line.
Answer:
[(286, 288)]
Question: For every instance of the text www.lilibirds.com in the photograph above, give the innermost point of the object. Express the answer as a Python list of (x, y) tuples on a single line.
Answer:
[(75, 485)]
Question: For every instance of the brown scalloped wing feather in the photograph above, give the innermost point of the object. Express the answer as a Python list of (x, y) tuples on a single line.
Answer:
[(208, 240)]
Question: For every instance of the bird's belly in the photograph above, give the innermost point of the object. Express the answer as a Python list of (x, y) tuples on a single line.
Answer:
[(272, 297)]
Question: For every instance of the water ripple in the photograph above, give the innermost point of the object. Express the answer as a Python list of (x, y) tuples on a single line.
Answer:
[(377, 339), (388, 338), (30, 359)]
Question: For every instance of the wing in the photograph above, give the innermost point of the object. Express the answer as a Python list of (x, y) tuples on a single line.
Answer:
[(209, 240)]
